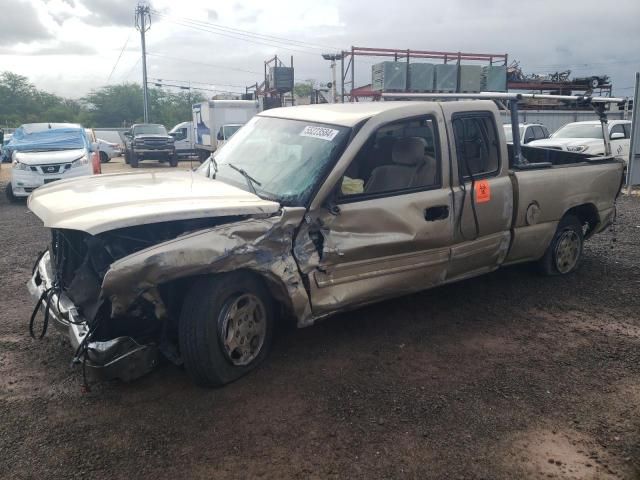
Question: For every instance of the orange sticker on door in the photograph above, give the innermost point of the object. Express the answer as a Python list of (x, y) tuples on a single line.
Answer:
[(483, 191)]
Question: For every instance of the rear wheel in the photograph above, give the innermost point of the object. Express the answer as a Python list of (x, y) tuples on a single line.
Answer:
[(564, 253), (104, 158), (226, 328)]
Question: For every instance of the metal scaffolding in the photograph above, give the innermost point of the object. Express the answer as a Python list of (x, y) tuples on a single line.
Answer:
[(347, 65)]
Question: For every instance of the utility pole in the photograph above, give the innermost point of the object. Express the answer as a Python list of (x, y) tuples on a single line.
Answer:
[(333, 57), (143, 23)]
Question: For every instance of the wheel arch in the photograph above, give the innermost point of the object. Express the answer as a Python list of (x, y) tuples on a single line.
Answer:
[(587, 214), (173, 292)]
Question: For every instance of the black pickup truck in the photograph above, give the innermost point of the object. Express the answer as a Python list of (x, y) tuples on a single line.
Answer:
[(149, 141)]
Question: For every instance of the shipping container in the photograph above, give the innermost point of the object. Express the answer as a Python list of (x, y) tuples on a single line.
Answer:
[(389, 76), (470, 78), (446, 78), (421, 77), (494, 78)]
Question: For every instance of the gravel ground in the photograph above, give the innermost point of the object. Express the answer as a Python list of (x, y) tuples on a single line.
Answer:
[(509, 375)]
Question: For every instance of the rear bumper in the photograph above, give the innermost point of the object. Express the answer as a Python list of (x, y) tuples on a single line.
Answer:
[(120, 357)]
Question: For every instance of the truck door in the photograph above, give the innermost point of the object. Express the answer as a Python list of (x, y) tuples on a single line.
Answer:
[(483, 192), (182, 141), (620, 142), (391, 226)]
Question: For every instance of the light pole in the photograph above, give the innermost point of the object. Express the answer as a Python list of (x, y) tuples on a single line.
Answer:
[(333, 57)]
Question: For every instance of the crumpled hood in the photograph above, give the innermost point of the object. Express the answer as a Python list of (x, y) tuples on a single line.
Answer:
[(593, 144), (105, 202), (50, 157)]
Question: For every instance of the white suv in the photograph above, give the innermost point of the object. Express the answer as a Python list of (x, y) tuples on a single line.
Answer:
[(586, 137)]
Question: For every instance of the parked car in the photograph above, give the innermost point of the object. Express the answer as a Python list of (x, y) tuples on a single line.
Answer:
[(586, 137), (307, 211), (41, 155), (108, 150), (149, 141), (5, 157), (528, 132)]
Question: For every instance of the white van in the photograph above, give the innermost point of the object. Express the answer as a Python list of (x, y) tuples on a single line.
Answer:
[(42, 153)]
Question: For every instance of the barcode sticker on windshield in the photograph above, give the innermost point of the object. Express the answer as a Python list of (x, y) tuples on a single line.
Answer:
[(322, 133)]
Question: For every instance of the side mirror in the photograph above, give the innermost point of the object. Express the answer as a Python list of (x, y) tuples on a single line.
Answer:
[(616, 136), (220, 137)]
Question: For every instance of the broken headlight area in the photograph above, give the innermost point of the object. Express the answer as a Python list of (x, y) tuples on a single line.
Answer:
[(67, 282)]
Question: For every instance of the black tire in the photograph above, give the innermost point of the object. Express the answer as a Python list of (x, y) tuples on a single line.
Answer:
[(564, 254), (173, 160), (203, 155), (104, 158), (126, 158), (133, 160), (8, 191), (205, 313)]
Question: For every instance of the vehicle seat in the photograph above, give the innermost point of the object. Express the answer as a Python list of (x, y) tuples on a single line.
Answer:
[(410, 168)]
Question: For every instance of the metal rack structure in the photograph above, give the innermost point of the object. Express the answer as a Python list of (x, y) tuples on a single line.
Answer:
[(347, 65)]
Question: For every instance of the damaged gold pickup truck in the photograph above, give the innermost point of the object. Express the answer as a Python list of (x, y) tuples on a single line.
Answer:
[(305, 212)]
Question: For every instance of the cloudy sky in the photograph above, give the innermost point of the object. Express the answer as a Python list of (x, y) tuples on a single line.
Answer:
[(71, 46)]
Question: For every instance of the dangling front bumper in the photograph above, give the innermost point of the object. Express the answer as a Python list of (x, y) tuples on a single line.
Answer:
[(120, 357)]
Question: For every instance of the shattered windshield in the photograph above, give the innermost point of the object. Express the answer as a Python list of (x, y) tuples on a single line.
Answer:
[(283, 158), (577, 130)]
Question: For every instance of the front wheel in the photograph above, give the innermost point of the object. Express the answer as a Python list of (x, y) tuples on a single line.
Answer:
[(564, 253), (133, 160), (173, 160), (226, 328), (8, 191)]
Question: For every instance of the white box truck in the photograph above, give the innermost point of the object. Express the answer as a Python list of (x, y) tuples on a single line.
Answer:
[(214, 121)]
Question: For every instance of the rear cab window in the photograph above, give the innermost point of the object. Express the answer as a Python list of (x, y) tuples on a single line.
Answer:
[(477, 146)]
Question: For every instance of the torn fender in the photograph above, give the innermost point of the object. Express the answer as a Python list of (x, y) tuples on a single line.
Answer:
[(263, 245)]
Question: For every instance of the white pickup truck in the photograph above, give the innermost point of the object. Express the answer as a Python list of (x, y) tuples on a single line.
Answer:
[(586, 137)]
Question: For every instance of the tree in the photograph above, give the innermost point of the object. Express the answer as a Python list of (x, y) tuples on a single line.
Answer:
[(121, 105), (304, 89), (109, 106), (21, 102)]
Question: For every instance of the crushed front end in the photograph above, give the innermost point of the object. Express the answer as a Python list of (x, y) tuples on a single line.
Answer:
[(67, 284)]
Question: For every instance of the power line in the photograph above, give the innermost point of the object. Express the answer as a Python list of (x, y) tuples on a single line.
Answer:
[(197, 83), (247, 33), (204, 63), (119, 56), (244, 38)]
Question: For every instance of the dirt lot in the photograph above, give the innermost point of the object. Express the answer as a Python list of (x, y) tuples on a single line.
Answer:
[(509, 375)]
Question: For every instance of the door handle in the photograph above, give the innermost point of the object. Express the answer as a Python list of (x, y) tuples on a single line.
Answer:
[(439, 212)]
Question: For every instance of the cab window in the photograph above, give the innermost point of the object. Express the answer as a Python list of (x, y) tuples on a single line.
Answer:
[(477, 146), (400, 157)]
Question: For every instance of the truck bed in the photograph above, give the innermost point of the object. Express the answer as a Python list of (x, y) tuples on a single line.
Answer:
[(545, 191), (537, 157)]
